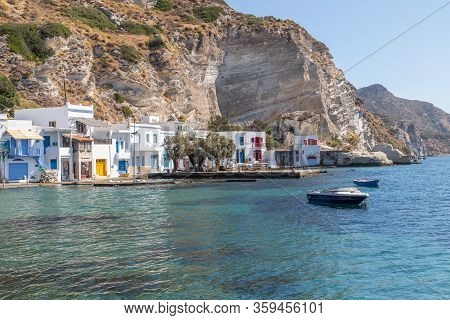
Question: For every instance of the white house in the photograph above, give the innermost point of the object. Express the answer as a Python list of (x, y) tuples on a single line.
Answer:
[(306, 151), (24, 148), (121, 138), (75, 145), (250, 146)]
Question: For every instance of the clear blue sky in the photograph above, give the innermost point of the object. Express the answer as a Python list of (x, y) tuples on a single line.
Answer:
[(416, 66)]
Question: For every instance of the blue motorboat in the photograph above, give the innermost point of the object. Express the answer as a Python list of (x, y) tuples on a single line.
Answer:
[(343, 196), (367, 183)]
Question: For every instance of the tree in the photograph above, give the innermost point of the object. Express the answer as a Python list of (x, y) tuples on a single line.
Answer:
[(218, 123), (219, 147), (195, 150), (176, 148), (9, 98)]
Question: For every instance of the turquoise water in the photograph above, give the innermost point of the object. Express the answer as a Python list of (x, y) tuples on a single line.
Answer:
[(230, 241)]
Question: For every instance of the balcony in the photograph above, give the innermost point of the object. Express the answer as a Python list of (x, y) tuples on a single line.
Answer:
[(258, 145), (24, 152)]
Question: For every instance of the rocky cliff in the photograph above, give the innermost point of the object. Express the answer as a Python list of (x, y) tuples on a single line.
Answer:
[(423, 127), (199, 58)]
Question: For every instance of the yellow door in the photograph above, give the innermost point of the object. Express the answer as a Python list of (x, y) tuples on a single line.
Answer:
[(101, 167)]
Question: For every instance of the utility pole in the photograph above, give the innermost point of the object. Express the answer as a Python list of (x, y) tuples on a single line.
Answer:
[(134, 151), (65, 91)]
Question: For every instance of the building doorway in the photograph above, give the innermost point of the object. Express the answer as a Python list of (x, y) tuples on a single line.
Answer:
[(100, 166)]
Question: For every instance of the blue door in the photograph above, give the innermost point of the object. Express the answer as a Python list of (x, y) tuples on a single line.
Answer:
[(166, 161), (46, 143), (24, 144), (53, 164), (240, 156), (17, 171), (122, 166)]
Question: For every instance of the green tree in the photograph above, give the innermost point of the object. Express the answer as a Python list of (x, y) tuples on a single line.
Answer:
[(219, 123), (176, 147), (219, 147), (9, 98), (271, 143), (127, 112), (195, 150)]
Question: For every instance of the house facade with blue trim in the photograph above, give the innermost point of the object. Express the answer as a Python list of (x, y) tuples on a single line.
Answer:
[(23, 148)]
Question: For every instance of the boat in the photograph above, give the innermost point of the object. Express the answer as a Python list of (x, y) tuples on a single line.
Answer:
[(341, 196), (367, 183)]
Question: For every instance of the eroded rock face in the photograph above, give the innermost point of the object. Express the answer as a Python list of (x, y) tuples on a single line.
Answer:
[(342, 159), (411, 137), (272, 71), (396, 156), (272, 76)]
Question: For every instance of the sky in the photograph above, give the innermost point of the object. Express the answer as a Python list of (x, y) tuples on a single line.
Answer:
[(416, 66)]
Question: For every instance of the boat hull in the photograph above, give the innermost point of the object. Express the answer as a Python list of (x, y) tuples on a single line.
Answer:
[(367, 184), (336, 199)]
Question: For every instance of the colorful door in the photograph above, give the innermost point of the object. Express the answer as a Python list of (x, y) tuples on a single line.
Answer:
[(242, 157), (166, 161), (53, 164), (25, 145), (101, 167), (122, 166), (46, 143), (17, 171)]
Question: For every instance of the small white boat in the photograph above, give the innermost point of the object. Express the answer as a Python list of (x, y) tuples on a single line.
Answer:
[(343, 196)]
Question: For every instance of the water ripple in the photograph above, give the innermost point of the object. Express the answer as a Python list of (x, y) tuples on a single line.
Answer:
[(230, 241)]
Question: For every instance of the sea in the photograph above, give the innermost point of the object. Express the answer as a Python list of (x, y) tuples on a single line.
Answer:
[(252, 240)]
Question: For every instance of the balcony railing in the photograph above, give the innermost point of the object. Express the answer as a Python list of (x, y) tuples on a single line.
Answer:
[(258, 145), (24, 152)]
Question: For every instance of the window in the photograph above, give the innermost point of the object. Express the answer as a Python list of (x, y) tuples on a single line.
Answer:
[(122, 145), (312, 142), (52, 124), (297, 156), (241, 141), (155, 139), (147, 138), (81, 127), (117, 146)]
